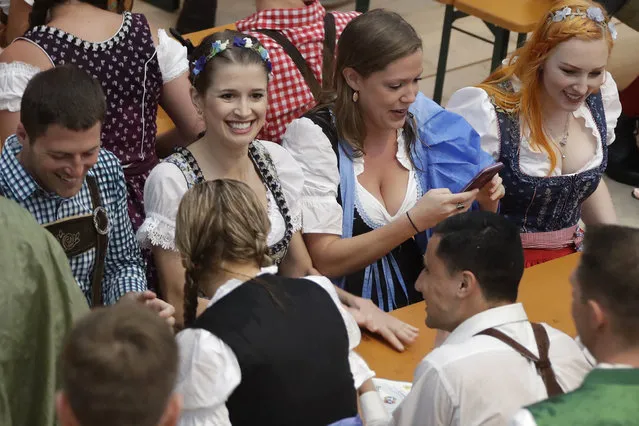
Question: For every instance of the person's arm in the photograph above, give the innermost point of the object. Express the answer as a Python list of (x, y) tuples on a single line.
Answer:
[(598, 208), (18, 64), (124, 269), (522, 417), (297, 262), (209, 372), (175, 96), (372, 318), (18, 23), (428, 402), (334, 256)]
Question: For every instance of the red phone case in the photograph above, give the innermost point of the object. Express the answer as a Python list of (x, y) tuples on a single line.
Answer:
[(483, 177)]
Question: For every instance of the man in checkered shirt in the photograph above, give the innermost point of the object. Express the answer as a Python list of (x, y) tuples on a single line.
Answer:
[(302, 22), (44, 167)]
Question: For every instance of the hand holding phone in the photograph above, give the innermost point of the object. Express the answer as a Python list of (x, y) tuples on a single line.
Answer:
[(483, 177)]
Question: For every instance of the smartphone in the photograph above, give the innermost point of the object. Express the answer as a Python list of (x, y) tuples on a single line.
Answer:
[(483, 177)]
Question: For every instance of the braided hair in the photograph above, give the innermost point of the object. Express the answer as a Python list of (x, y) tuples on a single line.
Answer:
[(218, 221)]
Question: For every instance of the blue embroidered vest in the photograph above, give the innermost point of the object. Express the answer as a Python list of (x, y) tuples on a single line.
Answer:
[(543, 204)]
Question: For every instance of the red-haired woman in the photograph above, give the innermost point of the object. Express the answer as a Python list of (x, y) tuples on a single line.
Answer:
[(549, 114)]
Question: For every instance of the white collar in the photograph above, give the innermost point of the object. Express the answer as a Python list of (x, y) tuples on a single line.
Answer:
[(234, 283), (494, 317), (607, 366)]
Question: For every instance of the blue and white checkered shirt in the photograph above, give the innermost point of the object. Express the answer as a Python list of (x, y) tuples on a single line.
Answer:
[(124, 267)]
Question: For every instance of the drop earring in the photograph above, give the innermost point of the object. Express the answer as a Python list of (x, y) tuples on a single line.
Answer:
[(355, 96)]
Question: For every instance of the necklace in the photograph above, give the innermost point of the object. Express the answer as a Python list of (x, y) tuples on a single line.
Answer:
[(564, 138)]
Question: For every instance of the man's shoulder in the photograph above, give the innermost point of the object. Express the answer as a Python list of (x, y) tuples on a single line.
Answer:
[(107, 167)]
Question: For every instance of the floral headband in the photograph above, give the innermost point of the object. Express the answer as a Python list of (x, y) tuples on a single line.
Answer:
[(220, 46), (593, 13)]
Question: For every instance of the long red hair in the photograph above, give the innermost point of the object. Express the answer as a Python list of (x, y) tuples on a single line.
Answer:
[(526, 64)]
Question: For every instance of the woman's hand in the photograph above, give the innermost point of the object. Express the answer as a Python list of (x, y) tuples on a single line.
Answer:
[(370, 317), (438, 204), (490, 194)]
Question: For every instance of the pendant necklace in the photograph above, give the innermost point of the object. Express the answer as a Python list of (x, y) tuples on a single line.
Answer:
[(564, 138)]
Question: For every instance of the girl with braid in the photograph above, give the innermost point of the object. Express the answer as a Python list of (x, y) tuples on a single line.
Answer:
[(139, 67), (281, 346)]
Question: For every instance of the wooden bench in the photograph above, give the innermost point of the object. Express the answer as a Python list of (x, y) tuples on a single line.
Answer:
[(544, 290), (501, 17), (163, 121)]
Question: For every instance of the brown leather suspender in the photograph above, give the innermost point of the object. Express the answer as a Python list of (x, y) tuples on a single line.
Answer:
[(79, 234), (542, 363), (328, 55)]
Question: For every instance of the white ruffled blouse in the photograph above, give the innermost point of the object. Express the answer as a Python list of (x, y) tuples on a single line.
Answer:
[(209, 371), (475, 106), (322, 214), (166, 185), (14, 76)]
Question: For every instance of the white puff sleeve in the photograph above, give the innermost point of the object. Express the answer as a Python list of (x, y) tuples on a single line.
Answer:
[(307, 143), (14, 77), (291, 178), (611, 104), (360, 370), (208, 374), (171, 57), (474, 105), (163, 191)]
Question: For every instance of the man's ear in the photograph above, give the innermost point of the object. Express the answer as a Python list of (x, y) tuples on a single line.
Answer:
[(172, 411), (66, 417), (21, 133), (468, 284), (353, 78), (596, 316)]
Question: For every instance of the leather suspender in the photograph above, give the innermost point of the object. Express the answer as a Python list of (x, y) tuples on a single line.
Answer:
[(328, 55), (101, 222), (542, 363)]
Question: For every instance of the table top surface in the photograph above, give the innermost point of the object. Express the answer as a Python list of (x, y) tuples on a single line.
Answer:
[(544, 291), (515, 15)]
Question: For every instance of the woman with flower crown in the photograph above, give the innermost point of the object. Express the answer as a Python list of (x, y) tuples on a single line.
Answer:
[(549, 114), (229, 75), (229, 78)]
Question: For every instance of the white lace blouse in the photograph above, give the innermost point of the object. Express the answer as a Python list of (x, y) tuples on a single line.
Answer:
[(14, 76), (209, 371), (166, 185), (474, 105), (322, 214)]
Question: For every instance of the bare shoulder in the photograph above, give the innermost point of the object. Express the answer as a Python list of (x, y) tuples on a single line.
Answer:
[(27, 52)]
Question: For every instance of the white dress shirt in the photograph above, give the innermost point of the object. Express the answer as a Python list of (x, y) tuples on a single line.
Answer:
[(209, 371), (479, 380), (523, 417)]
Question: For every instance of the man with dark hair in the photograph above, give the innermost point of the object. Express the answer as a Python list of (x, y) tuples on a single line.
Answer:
[(495, 360), (54, 167), (118, 367), (605, 308)]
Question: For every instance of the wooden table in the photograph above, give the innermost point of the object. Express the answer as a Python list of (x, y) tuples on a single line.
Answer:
[(544, 290)]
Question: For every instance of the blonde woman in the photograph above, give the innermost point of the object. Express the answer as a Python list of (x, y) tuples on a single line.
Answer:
[(267, 349)]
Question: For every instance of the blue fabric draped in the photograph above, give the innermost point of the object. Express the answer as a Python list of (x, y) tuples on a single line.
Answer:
[(351, 421), (447, 154)]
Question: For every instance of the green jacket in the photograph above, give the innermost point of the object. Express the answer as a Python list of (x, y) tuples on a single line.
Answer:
[(39, 300), (607, 397)]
